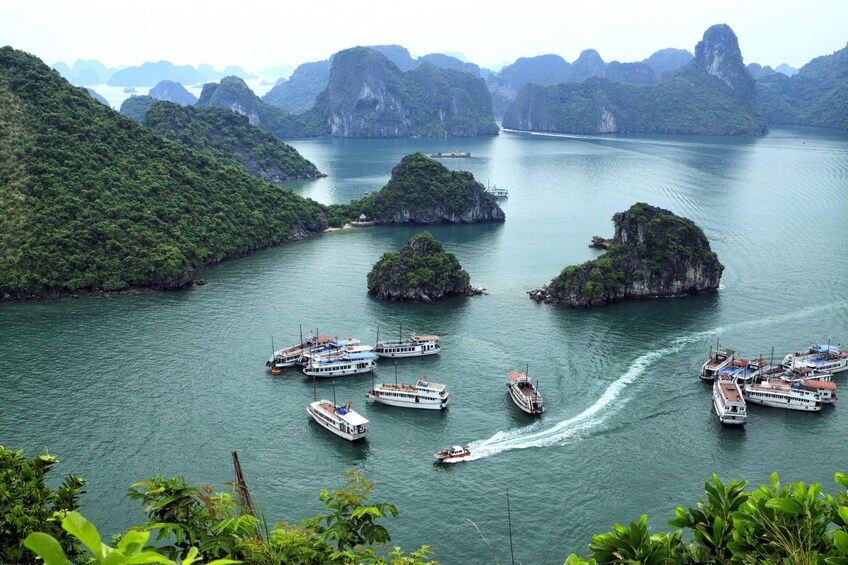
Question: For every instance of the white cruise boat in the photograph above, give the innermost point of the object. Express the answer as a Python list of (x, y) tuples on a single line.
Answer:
[(340, 420), (497, 192), (351, 364), (335, 353), (524, 394), (291, 356), (334, 349), (728, 402), (779, 394), (823, 357), (825, 389), (716, 362), (415, 346), (423, 394)]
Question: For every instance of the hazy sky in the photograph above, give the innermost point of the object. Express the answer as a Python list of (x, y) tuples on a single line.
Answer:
[(256, 34)]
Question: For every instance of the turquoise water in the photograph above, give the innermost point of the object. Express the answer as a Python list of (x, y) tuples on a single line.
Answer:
[(124, 388)]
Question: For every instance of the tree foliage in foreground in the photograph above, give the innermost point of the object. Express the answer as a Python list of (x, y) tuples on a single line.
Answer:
[(773, 524), (186, 524)]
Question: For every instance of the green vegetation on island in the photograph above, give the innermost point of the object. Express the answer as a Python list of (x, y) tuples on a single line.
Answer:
[(136, 107), (654, 253), (711, 95), (229, 138), (93, 200), (816, 96), (423, 191), (232, 93), (369, 96), (422, 271)]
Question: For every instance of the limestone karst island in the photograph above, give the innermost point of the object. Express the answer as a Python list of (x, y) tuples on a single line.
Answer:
[(264, 278)]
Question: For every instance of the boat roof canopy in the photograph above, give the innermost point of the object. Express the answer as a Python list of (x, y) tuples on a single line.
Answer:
[(353, 418)]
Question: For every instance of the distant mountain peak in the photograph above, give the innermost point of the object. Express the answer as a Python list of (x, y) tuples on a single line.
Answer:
[(718, 52)]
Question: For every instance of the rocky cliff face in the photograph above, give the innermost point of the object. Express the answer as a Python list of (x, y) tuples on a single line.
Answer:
[(369, 96), (423, 191), (653, 254), (420, 272), (175, 92), (233, 93), (718, 52), (711, 95)]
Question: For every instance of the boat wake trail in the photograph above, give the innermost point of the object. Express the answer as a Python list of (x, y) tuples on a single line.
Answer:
[(590, 418), (609, 402)]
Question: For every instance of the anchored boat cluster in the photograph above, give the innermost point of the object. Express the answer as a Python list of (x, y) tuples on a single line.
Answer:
[(802, 381), (323, 356)]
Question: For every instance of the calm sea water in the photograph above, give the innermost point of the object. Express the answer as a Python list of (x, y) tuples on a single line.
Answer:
[(126, 388)]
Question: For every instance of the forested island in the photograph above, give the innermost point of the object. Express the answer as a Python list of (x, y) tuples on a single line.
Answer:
[(229, 138), (713, 94), (653, 254), (423, 191), (97, 202), (422, 271)]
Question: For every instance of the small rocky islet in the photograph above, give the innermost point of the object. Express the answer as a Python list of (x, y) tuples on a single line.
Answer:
[(653, 254), (422, 271), (423, 191)]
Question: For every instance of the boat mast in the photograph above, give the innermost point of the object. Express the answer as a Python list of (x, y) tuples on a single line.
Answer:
[(314, 390), (378, 335), (396, 373), (273, 349), (400, 334), (301, 335), (334, 395)]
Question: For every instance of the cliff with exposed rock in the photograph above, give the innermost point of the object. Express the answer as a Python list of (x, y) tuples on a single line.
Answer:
[(422, 271), (653, 254), (713, 94), (369, 96)]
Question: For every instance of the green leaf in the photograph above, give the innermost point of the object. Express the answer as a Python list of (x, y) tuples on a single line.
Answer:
[(841, 479), (84, 531), (840, 540), (147, 557), (784, 505), (46, 547)]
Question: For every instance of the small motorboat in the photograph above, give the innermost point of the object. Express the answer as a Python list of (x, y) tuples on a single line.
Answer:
[(453, 453)]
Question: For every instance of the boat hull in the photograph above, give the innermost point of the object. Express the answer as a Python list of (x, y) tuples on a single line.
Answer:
[(726, 417), (786, 405), (342, 372), (422, 404), (392, 355), (520, 400), (331, 428)]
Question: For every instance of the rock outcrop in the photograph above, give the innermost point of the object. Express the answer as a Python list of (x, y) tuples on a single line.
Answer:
[(171, 91), (233, 93), (713, 94), (422, 271), (653, 254), (369, 96), (423, 191)]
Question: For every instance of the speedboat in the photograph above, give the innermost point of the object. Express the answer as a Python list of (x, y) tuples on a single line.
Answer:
[(453, 453)]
